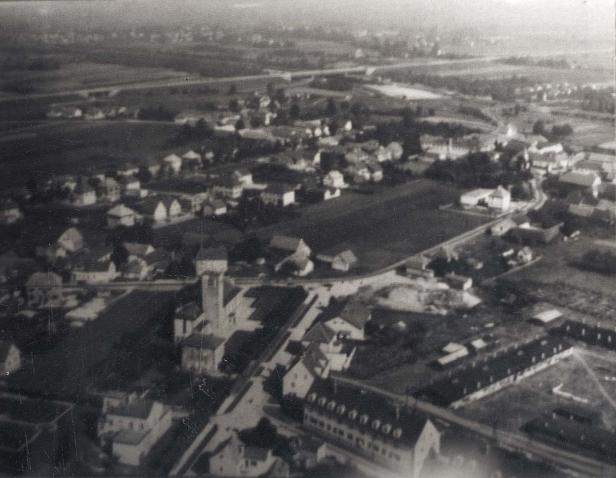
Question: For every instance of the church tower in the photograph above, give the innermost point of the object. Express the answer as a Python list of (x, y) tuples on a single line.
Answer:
[(211, 266)]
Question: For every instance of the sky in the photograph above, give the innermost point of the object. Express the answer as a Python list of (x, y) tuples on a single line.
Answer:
[(595, 17)]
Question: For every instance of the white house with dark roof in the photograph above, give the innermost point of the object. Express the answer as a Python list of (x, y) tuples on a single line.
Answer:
[(173, 162), (290, 245), (278, 195), (351, 321), (132, 425), (301, 375), (10, 358), (121, 215), (233, 458), (83, 194), (334, 179), (582, 181)]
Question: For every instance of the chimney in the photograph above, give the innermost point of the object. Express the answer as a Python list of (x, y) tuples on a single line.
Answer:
[(397, 412)]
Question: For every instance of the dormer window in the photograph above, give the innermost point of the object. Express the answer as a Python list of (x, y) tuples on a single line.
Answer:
[(312, 397), (386, 428), (376, 424), (353, 414), (363, 419), (322, 401), (341, 409), (331, 405), (397, 433)]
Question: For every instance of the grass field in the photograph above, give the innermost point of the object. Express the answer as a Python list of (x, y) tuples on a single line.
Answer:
[(382, 228), (555, 266), (76, 75), (81, 148)]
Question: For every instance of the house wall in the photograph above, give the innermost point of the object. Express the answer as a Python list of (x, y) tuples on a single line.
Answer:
[(200, 360), (297, 381), (395, 456)]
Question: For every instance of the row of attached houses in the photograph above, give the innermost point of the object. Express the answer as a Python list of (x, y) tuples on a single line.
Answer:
[(371, 428), (485, 377)]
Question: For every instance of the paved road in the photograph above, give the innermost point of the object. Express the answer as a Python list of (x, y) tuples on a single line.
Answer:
[(511, 441)]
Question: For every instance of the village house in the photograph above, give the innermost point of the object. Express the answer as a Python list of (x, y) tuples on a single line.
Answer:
[(120, 215), (9, 212), (498, 199), (83, 194), (233, 458), (278, 195), (339, 353), (228, 187), (351, 321), (192, 160), (173, 163), (109, 190), (298, 380), (132, 426), (527, 233), (130, 186), (334, 179), (343, 261), (202, 353), (154, 209), (395, 438), (10, 358), (44, 289), (580, 181), (71, 240), (289, 245), (458, 282), (244, 176), (376, 172), (127, 169), (214, 208), (92, 270)]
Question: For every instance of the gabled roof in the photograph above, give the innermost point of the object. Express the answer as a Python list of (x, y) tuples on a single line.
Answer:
[(172, 158), (355, 313), (579, 179), (44, 279), (149, 205), (71, 234), (200, 341), (347, 257), (278, 188), (285, 243), (120, 211), (319, 333), (190, 154), (212, 254), (83, 187), (137, 249), (138, 408)]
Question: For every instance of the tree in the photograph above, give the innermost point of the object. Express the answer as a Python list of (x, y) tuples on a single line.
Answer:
[(144, 175), (331, 108), (234, 105), (294, 111), (119, 256), (240, 124), (539, 128), (562, 130)]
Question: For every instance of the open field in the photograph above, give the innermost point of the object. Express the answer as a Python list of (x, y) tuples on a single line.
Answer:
[(555, 266), (533, 396), (381, 228), (76, 75), (81, 148)]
